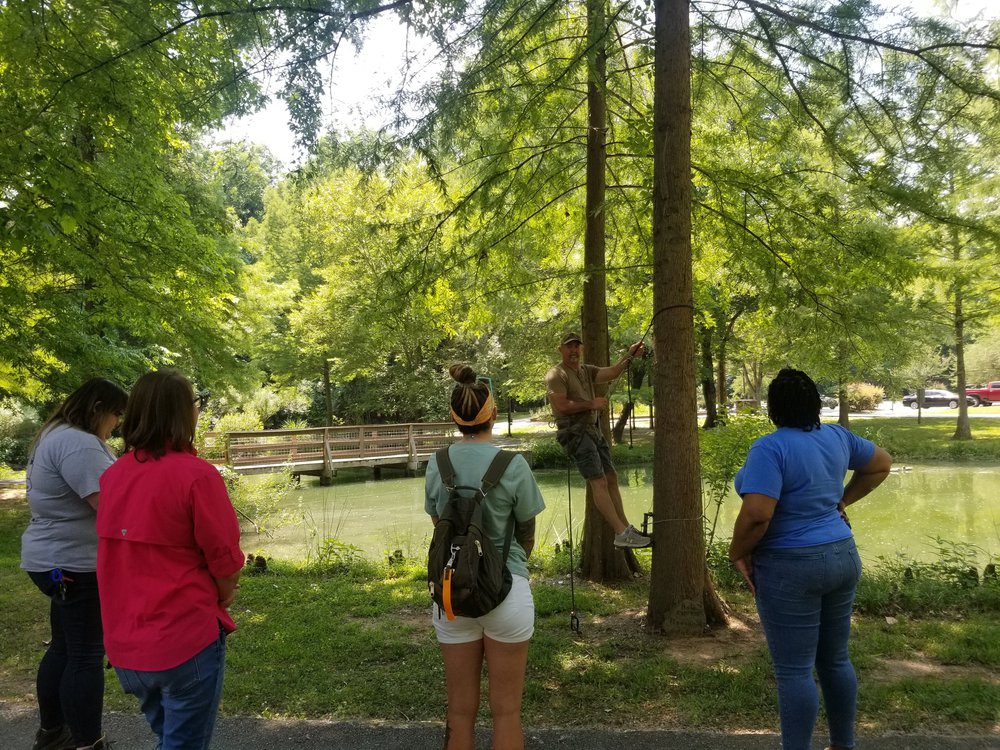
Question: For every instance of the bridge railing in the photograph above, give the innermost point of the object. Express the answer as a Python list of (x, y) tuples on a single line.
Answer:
[(324, 448)]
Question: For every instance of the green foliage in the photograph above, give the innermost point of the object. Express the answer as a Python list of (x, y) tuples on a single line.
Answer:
[(863, 396), (950, 583), (245, 171), (932, 440), (113, 245), (723, 450), (261, 501), (18, 425), (982, 358), (337, 557), (546, 453), (239, 422), (724, 574)]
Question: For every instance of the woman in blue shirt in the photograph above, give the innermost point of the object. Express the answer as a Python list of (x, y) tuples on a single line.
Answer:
[(793, 545)]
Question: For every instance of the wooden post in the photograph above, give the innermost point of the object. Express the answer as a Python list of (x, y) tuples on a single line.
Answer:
[(326, 475), (411, 465)]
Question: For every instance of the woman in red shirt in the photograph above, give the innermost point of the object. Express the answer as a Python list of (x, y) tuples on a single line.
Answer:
[(168, 562)]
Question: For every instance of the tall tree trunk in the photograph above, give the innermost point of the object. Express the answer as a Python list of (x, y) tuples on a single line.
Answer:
[(707, 378), (600, 560), (963, 430), (843, 411), (722, 377), (721, 394), (677, 592)]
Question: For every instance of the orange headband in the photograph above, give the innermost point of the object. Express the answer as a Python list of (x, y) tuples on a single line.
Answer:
[(484, 415)]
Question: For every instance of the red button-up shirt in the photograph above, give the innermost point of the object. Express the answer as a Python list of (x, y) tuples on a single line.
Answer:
[(166, 530)]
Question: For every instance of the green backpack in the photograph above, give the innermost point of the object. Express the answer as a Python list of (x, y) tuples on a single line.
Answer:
[(466, 574)]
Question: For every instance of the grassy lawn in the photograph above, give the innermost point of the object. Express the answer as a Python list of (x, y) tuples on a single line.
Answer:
[(356, 643), (932, 440)]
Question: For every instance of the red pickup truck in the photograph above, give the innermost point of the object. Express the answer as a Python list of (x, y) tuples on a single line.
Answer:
[(984, 394)]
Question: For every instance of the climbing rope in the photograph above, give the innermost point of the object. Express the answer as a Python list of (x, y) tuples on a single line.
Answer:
[(574, 621)]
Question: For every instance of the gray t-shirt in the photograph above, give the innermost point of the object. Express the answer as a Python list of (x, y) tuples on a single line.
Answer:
[(63, 469)]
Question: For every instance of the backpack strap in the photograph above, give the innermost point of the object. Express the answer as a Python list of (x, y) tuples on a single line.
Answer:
[(496, 469), (445, 468), (491, 479)]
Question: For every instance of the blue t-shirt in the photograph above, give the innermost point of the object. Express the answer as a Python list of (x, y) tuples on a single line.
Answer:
[(804, 471), (516, 495)]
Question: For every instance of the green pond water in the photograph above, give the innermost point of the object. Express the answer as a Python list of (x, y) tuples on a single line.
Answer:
[(918, 502)]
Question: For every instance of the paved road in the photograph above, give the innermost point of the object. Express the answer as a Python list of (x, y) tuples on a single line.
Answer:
[(17, 727)]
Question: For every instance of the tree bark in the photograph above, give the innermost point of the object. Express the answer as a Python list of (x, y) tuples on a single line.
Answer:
[(843, 412), (707, 378), (721, 385), (677, 592), (600, 560), (963, 430)]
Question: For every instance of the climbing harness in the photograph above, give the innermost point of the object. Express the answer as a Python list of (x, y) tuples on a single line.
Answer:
[(574, 621)]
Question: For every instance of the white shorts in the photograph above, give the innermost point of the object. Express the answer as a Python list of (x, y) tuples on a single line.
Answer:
[(512, 622)]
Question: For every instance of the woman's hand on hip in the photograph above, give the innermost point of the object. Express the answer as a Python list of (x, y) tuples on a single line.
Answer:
[(745, 566)]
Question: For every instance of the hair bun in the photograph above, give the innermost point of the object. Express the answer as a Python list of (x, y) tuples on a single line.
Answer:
[(462, 373)]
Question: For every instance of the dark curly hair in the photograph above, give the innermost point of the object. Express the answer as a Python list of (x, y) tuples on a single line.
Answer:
[(793, 400)]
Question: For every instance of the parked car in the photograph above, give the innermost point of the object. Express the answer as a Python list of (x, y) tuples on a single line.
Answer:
[(984, 394), (935, 397)]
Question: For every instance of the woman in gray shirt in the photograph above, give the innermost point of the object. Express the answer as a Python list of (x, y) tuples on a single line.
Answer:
[(59, 552)]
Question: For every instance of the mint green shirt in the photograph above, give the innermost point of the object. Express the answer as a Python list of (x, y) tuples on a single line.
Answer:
[(516, 495)]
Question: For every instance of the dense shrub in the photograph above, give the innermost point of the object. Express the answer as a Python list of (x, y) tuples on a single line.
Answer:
[(259, 500), (864, 396), (546, 453), (239, 422), (723, 450), (18, 424)]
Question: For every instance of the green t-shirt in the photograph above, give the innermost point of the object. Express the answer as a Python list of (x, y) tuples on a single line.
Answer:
[(576, 385), (517, 494)]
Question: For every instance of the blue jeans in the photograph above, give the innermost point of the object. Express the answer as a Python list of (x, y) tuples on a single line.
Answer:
[(70, 682), (804, 598), (180, 704)]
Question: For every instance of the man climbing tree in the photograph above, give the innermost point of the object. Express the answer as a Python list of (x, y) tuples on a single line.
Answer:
[(570, 386)]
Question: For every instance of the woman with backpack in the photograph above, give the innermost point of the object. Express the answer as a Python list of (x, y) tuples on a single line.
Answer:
[(501, 635)]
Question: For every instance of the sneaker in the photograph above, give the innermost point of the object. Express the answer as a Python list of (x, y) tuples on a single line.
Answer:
[(54, 739), (632, 538)]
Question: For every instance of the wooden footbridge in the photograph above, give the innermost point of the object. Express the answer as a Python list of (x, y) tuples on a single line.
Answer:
[(321, 451)]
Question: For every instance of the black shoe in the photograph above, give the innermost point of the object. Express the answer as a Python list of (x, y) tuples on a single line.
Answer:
[(54, 739)]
